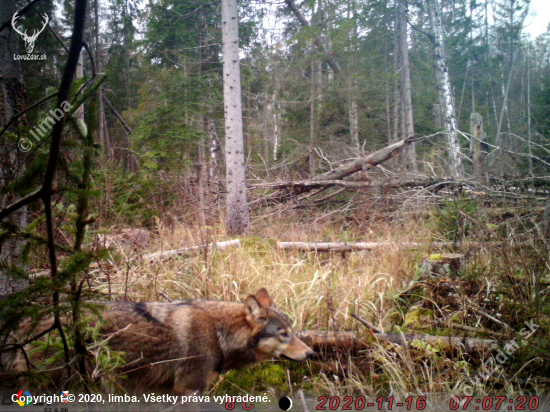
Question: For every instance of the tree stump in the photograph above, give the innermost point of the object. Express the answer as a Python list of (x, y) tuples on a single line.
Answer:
[(478, 137), (441, 265)]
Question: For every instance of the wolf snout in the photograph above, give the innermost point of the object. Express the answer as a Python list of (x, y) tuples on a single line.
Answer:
[(305, 356), (299, 356)]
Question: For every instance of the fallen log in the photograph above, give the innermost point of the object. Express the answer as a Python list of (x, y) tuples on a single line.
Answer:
[(368, 162), (468, 345), (354, 184), (349, 247), (192, 250), (163, 254), (334, 177), (328, 340), (467, 328)]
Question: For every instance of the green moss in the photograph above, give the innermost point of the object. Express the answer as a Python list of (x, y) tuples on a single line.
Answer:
[(254, 380), (418, 318), (272, 377)]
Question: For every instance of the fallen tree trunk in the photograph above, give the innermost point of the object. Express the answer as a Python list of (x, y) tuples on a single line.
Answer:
[(349, 247), (313, 184), (328, 340), (335, 177), (368, 162), (193, 250), (164, 254)]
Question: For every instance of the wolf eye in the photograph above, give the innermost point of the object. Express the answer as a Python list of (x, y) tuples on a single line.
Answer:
[(285, 334)]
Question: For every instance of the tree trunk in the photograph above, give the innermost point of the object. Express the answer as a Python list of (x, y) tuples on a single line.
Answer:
[(478, 136), (237, 221), (12, 101), (275, 115), (193, 250), (365, 163), (313, 115), (444, 88), (130, 162), (406, 99), (330, 341), (499, 141), (103, 137), (354, 117), (201, 186), (529, 134), (350, 247), (203, 124), (214, 148), (352, 84), (396, 90), (388, 113)]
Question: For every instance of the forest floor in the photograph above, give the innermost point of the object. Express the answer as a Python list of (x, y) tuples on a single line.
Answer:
[(501, 284)]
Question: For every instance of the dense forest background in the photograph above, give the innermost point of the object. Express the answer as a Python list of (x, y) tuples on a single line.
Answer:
[(317, 91)]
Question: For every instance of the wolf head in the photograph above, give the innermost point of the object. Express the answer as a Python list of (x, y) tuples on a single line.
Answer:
[(275, 336)]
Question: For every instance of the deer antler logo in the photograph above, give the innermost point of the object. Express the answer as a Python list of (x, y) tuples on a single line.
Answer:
[(29, 40)]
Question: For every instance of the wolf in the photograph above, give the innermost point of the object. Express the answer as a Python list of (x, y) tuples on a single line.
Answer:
[(182, 347)]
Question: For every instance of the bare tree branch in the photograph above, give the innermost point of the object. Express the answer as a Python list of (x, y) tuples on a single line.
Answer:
[(318, 42)]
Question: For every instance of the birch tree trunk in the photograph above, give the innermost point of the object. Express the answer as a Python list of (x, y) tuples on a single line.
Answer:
[(444, 88), (406, 85), (275, 116), (354, 116), (237, 221), (529, 136), (499, 141), (79, 75), (352, 85), (214, 148)]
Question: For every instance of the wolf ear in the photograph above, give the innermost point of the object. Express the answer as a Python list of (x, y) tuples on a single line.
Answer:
[(255, 313), (263, 297)]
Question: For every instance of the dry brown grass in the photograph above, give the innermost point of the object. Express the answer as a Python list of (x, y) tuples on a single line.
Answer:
[(321, 290)]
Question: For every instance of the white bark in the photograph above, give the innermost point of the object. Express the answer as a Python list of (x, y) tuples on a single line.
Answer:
[(276, 114), (192, 250), (406, 85), (276, 129), (352, 87), (79, 75), (444, 88), (276, 136), (354, 117), (478, 136), (350, 247), (237, 204), (214, 147), (529, 136)]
